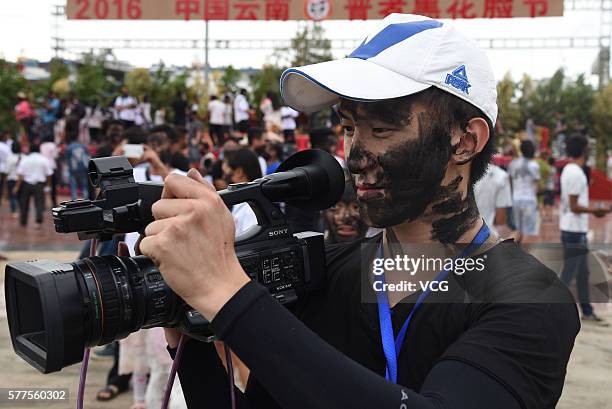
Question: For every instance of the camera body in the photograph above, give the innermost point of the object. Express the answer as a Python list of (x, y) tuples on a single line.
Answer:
[(56, 309)]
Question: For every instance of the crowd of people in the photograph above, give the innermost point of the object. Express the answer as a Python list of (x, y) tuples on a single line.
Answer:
[(239, 142)]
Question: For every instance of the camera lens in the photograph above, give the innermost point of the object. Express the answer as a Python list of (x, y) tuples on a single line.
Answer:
[(122, 295), (56, 309)]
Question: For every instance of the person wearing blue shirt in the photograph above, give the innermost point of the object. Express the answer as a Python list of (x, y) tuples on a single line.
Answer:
[(77, 158), (274, 153)]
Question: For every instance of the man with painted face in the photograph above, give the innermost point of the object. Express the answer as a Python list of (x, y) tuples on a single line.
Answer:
[(417, 102), (343, 221)]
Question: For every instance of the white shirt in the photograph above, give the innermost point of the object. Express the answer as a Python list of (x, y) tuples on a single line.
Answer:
[(95, 117), (263, 165), (227, 114), (574, 182), (241, 108), (34, 168), (288, 116), (126, 114), (492, 192), (216, 110), (160, 117), (11, 166), (5, 153), (244, 217), (524, 173), (49, 151)]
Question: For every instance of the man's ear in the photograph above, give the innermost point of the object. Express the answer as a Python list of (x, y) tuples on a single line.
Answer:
[(238, 173), (469, 143)]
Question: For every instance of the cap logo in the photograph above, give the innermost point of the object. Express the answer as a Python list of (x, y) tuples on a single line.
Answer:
[(458, 79), (391, 35)]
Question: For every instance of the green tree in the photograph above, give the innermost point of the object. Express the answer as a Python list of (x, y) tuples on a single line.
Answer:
[(138, 82), (509, 110), (576, 97), (229, 79), (602, 123), (58, 70), (91, 84), (544, 100), (264, 81), (61, 87), (309, 46), (161, 88), (11, 82)]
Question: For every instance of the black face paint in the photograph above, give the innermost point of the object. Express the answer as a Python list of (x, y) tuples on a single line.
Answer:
[(463, 214), (343, 219), (411, 172)]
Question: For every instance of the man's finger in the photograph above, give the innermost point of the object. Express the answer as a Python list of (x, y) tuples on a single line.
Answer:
[(157, 226), (195, 175), (164, 208), (184, 187)]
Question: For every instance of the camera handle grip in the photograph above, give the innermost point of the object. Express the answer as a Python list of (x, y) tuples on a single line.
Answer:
[(271, 222)]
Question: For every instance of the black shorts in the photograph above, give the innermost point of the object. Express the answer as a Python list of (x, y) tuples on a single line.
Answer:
[(243, 126), (549, 198), (216, 133)]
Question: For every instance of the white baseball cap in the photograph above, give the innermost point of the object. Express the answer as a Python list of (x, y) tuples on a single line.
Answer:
[(404, 55)]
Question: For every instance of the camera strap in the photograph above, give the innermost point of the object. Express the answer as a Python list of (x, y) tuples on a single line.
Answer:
[(391, 347)]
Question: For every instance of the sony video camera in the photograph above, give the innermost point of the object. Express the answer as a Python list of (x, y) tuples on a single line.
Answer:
[(57, 309)]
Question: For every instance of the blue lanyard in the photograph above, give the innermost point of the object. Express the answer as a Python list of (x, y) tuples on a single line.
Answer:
[(392, 348)]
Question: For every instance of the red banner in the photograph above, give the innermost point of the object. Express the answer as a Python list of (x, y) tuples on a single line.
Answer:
[(305, 9)]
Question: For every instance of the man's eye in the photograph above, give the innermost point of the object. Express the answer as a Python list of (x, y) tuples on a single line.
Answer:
[(381, 131), (348, 130)]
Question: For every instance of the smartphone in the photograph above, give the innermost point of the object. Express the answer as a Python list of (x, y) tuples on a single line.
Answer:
[(132, 150)]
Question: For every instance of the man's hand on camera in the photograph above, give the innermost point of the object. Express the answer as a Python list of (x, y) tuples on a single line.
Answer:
[(192, 242)]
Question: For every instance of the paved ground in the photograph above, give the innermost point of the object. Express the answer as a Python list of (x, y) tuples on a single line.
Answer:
[(589, 375)]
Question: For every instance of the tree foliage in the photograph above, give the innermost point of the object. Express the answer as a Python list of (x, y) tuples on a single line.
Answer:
[(309, 46), (602, 122), (138, 82), (229, 80), (509, 111), (11, 82), (266, 80), (92, 84)]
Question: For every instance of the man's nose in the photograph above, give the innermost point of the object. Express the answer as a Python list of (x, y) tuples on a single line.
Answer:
[(360, 159)]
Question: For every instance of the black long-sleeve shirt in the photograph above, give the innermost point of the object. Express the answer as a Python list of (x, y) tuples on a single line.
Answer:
[(506, 348)]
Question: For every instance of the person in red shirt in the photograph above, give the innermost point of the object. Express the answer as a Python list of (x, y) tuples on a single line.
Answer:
[(24, 114)]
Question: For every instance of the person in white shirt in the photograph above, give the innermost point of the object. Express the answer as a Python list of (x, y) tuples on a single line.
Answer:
[(574, 224), (241, 166), (49, 150), (126, 106), (288, 117), (241, 112), (12, 177), (33, 172), (493, 196), (525, 173), (160, 116), (227, 117), (216, 119), (5, 153)]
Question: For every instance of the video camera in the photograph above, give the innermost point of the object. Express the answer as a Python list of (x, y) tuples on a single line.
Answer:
[(57, 309)]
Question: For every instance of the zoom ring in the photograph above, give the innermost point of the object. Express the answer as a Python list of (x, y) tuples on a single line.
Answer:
[(110, 300)]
